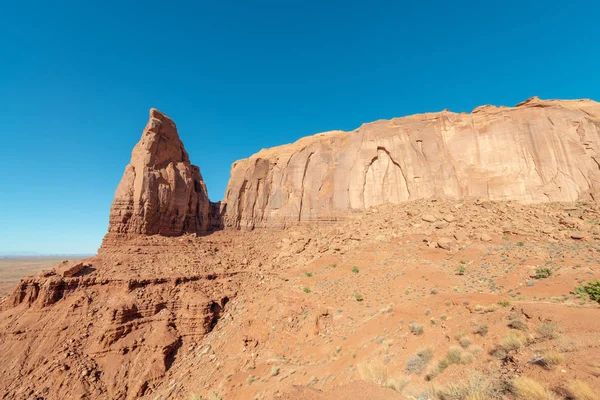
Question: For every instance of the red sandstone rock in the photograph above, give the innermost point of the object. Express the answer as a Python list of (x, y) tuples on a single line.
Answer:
[(68, 269), (539, 151), (160, 192)]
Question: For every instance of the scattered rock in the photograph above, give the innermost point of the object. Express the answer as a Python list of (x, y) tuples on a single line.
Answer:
[(67, 269), (449, 218), (440, 225), (461, 236), (428, 218), (445, 243)]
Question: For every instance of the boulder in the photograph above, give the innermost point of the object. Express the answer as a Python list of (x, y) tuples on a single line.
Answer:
[(484, 237), (449, 218), (428, 218), (67, 269), (445, 243)]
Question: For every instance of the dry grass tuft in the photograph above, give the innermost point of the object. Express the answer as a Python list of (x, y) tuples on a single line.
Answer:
[(518, 324), (477, 387), (481, 330), (548, 330), (513, 341), (453, 355), (378, 373), (373, 372), (465, 341), (528, 389), (398, 383), (553, 358), (579, 390)]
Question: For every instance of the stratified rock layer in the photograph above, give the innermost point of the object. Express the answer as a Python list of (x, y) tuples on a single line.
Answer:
[(538, 151), (160, 192)]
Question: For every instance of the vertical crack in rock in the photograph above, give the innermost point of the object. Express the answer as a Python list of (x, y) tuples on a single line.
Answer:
[(384, 180), (302, 185)]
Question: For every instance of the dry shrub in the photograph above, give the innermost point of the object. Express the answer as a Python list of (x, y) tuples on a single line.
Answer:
[(379, 374), (518, 324), (548, 330), (477, 387), (513, 341), (465, 341), (481, 330), (528, 389), (397, 383), (417, 363), (373, 372), (579, 390), (467, 358), (454, 354), (553, 358), (567, 345), (416, 328)]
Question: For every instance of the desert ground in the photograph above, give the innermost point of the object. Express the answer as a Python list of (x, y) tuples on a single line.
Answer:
[(426, 299)]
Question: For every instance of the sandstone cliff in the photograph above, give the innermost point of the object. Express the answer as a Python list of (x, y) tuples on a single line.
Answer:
[(538, 151), (160, 192)]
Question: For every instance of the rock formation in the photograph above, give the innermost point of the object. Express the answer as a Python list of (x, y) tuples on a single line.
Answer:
[(160, 192), (538, 151)]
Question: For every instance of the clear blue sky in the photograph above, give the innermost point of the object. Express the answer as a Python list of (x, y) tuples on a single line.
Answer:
[(77, 79)]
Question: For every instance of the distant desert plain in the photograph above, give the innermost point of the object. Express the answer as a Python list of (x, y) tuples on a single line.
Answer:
[(15, 268)]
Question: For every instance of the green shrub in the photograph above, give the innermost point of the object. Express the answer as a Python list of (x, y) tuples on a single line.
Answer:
[(308, 274), (355, 269), (358, 297), (306, 289), (461, 270), (504, 303), (592, 289), (543, 272)]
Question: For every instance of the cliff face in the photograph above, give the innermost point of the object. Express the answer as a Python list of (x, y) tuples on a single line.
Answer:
[(160, 191), (538, 151)]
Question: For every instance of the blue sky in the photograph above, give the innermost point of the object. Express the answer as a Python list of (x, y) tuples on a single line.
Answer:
[(77, 80)]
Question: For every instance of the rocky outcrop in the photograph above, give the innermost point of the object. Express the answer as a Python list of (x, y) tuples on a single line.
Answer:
[(538, 151), (104, 338), (160, 192)]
